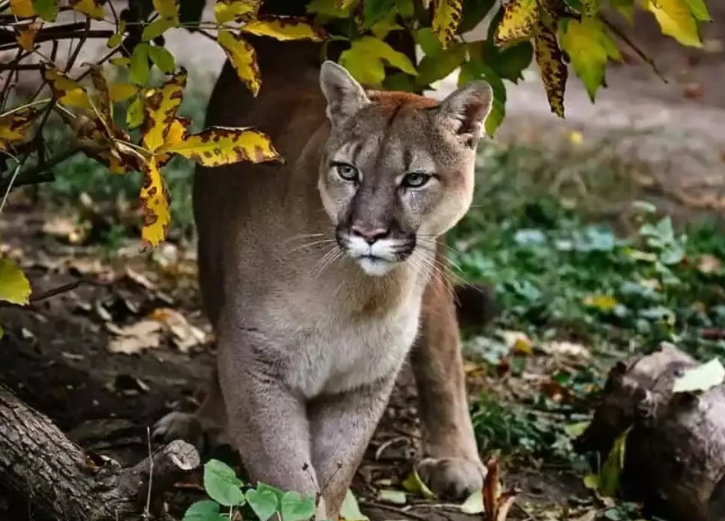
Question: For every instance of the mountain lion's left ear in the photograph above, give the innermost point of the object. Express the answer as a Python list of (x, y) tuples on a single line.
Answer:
[(345, 96), (465, 109)]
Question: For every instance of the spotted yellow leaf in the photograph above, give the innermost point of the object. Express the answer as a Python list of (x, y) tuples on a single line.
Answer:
[(284, 28), (14, 285), (178, 131), (155, 200), (121, 91), (14, 126), (22, 8), (167, 8), (550, 59), (243, 58), (89, 7), (446, 17), (67, 91), (26, 35), (676, 20), (518, 22), (160, 107), (226, 11), (216, 146)]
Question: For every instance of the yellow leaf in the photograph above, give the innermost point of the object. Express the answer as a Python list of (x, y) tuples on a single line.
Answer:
[(121, 91), (67, 91), (236, 10), (446, 17), (160, 107), (166, 8), (22, 8), (216, 146), (243, 58), (177, 133), (519, 21), (14, 285), (89, 7), (602, 302), (551, 63), (14, 126), (365, 60), (415, 485), (26, 37), (117, 38), (287, 28), (676, 20), (155, 200)]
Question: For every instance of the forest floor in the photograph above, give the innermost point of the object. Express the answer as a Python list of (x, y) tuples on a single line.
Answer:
[(553, 229)]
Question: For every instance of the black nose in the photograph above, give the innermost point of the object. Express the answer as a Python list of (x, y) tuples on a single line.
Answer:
[(369, 234)]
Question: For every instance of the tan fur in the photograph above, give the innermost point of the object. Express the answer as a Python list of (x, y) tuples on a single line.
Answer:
[(311, 336)]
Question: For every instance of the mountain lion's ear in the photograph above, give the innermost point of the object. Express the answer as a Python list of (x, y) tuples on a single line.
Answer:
[(344, 95), (464, 110)]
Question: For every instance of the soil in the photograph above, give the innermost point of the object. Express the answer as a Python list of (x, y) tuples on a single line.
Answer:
[(55, 352)]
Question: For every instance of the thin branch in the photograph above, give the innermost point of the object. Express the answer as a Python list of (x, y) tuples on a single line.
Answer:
[(38, 174), (626, 39), (55, 291)]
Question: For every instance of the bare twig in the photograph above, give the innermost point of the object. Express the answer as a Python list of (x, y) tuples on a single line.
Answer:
[(55, 291), (35, 175)]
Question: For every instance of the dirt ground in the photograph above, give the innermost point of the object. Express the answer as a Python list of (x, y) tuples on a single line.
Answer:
[(55, 353)]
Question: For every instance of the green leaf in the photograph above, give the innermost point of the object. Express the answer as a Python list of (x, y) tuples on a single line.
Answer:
[(366, 58), (134, 114), (139, 66), (697, 8), (2, 332), (428, 42), (701, 378), (46, 9), (296, 507), (205, 510), (612, 469), (350, 511), (222, 484), (375, 10), (158, 27), (476, 70), (434, 68), (676, 20), (473, 12), (14, 285), (264, 502), (162, 58), (415, 485), (509, 62), (589, 47), (625, 8)]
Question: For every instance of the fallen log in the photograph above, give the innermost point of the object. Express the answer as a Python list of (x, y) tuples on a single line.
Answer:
[(62, 481), (675, 451)]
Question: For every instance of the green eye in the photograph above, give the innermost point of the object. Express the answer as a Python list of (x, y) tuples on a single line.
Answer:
[(415, 180), (347, 172)]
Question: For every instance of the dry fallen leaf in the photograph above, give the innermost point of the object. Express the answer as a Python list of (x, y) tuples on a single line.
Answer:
[(185, 336), (135, 338), (564, 348)]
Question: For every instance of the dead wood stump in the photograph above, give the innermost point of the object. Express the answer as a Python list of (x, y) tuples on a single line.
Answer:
[(675, 451), (62, 481)]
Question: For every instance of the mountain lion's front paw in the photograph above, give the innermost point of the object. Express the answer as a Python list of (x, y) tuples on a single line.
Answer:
[(180, 425), (453, 478)]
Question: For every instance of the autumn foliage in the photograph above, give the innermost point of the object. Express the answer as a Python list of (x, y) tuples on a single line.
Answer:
[(559, 35)]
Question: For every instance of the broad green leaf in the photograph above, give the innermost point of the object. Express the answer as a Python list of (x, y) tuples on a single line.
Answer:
[(46, 9), (22, 8), (161, 106), (134, 114), (550, 59), (698, 10), (676, 20), (350, 510), (295, 507), (415, 485), (166, 8), (222, 484), (386, 25), (520, 18), (242, 57), (428, 42), (612, 469), (226, 11), (509, 62), (476, 70), (589, 47), (625, 8), (434, 68), (591, 481), (89, 7), (330, 8), (138, 71), (217, 146), (473, 12), (446, 17), (14, 285), (162, 58), (14, 126), (284, 28), (701, 378), (366, 58), (117, 38), (158, 27), (375, 10), (204, 510), (264, 502)]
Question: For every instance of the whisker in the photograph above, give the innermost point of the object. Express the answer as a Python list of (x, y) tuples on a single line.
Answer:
[(310, 244)]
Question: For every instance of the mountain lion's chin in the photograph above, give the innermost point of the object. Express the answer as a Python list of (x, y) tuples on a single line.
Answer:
[(376, 266)]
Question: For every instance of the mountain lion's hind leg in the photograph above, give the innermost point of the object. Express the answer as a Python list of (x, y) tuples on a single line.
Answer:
[(451, 465)]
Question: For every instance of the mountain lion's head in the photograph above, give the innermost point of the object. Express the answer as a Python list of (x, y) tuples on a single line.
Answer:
[(397, 169)]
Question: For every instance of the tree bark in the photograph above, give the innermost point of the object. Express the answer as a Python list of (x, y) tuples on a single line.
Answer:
[(62, 481)]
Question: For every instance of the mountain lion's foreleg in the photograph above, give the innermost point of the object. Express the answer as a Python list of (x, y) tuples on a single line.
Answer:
[(451, 464), (341, 427)]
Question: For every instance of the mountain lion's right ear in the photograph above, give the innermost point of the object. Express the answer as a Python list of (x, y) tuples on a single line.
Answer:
[(345, 96)]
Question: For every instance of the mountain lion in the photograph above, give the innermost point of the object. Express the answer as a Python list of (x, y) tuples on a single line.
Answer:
[(320, 274)]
